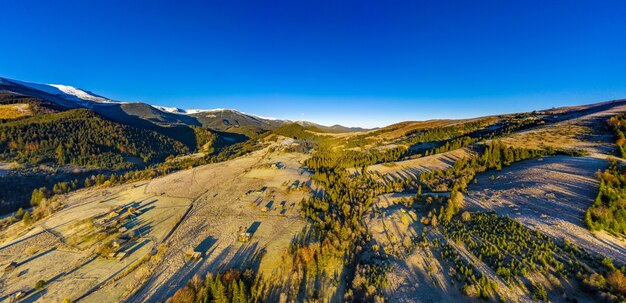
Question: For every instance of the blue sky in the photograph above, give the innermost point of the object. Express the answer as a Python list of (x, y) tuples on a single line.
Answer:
[(357, 63)]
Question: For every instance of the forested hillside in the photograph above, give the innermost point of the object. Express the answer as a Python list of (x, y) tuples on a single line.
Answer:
[(608, 211), (298, 132), (35, 131), (81, 137)]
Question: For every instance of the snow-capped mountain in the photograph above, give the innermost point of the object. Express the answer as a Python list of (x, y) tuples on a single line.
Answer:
[(70, 93), (218, 119), (85, 98), (81, 94), (73, 97)]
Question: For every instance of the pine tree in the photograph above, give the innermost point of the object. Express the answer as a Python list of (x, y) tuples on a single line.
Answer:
[(219, 291), (37, 196), (26, 218), (60, 152), (236, 294), (243, 294), (20, 213)]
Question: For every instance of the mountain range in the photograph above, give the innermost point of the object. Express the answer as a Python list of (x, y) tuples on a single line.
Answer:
[(228, 120), (109, 201)]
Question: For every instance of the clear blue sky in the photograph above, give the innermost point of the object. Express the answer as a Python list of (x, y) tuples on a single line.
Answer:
[(357, 63)]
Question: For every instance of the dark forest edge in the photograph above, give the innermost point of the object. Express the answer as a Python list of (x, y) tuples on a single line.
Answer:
[(608, 212)]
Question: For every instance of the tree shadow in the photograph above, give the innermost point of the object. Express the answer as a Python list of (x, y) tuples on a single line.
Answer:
[(205, 244), (41, 254), (245, 257), (133, 248), (253, 227)]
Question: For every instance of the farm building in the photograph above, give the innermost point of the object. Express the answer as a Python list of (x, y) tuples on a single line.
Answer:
[(118, 243), (120, 255), (20, 294), (244, 237), (193, 255)]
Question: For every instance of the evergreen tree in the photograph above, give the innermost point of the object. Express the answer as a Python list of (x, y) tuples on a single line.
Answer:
[(219, 291), (37, 196), (20, 213), (26, 218), (60, 152)]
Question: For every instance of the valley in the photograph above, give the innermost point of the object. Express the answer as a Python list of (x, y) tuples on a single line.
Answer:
[(125, 202)]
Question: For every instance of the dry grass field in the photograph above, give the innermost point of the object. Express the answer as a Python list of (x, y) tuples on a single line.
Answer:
[(13, 111), (202, 209), (255, 193), (417, 276), (587, 132), (62, 249), (552, 194), (413, 167), (549, 194), (417, 273)]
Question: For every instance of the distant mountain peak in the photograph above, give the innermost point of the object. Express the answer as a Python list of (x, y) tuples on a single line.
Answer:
[(79, 93), (76, 95)]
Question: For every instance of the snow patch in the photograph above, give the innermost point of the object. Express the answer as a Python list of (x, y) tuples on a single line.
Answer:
[(81, 94), (70, 93), (176, 110), (168, 109)]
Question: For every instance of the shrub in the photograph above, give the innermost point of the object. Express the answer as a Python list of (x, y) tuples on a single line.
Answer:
[(540, 293), (470, 290), (617, 281), (40, 284), (20, 213), (26, 218), (608, 263), (595, 281), (184, 295)]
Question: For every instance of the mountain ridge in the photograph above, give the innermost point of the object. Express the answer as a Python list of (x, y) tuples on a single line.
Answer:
[(72, 97)]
